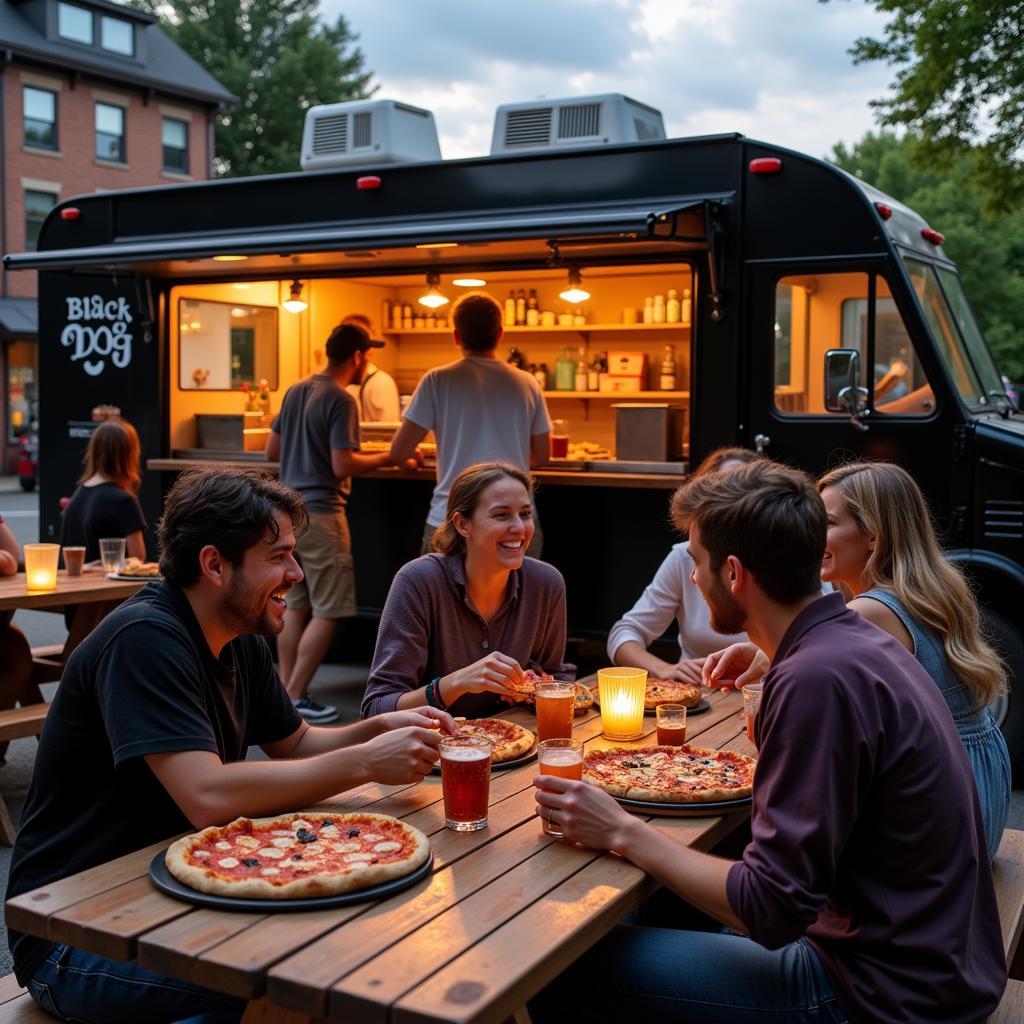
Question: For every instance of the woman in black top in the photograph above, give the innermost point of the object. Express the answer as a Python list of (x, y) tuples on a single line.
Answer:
[(104, 503)]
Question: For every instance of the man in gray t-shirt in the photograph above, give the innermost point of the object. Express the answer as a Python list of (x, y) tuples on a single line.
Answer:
[(480, 409), (316, 438)]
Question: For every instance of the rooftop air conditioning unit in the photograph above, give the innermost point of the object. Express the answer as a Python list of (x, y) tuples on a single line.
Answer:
[(578, 121), (367, 132)]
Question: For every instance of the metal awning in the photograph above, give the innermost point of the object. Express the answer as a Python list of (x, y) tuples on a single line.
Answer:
[(18, 318), (674, 219)]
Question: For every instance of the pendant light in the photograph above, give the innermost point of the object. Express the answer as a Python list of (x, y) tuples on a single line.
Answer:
[(294, 303), (433, 297), (575, 292)]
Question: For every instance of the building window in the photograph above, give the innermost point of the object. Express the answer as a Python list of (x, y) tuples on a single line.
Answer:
[(110, 132), (74, 23), (37, 206), (117, 36), (175, 138), (40, 111)]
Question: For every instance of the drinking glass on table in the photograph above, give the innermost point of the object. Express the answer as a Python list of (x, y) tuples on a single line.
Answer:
[(554, 705), (671, 725), (112, 553), (751, 704), (74, 560), (559, 439), (465, 781), (563, 758)]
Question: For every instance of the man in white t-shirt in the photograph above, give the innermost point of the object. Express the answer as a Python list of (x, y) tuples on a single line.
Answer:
[(480, 408), (377, 393)]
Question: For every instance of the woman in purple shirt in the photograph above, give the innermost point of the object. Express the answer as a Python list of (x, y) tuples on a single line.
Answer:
[(465, 621)]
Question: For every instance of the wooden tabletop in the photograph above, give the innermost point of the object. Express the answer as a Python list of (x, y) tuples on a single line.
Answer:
[(91, 586), (504, 911)]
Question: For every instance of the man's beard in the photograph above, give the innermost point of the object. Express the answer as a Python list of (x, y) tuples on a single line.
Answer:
[(245, 609), (727, 614)]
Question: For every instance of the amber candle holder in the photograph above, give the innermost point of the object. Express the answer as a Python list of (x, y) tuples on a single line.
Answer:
[(621, 694), (41, 566)]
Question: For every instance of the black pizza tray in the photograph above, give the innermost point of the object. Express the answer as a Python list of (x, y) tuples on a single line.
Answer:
[(661, 810), (529, 756), (166, 882)]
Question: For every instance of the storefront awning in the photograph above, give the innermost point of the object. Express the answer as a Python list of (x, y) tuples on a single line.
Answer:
[(18, 319)]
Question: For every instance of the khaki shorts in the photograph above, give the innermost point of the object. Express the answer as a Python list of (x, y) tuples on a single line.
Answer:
[(325, 553)]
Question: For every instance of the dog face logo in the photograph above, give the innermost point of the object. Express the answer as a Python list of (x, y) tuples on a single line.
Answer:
[(96, 331)]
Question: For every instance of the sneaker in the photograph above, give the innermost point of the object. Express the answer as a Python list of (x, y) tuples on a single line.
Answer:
[(313, 711)]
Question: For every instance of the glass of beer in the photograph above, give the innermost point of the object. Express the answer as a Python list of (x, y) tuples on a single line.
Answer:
[(671, 725), (465, 781), (751, 704), (554, 702), (563, 758)]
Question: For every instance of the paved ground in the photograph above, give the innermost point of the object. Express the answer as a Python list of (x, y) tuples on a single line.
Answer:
[(341, 685)]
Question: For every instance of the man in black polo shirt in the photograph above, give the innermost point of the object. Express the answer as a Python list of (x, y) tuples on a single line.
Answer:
[(866, 890), (148, 732)]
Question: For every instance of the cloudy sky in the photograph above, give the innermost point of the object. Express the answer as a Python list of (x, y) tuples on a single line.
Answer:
[(772, 69)]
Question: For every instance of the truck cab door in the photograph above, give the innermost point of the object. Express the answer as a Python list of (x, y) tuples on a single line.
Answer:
[(893, 402)]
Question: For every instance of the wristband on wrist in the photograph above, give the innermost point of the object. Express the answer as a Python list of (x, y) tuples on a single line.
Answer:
[(433, 694)]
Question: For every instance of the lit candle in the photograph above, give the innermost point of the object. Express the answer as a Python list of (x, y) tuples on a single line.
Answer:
[(41, 566), (621, 693)]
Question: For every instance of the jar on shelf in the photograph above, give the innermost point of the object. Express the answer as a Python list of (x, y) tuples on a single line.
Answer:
[(565, 371), (672, 307)]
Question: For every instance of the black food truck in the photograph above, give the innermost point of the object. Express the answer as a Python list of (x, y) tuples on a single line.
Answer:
[(721, 291)]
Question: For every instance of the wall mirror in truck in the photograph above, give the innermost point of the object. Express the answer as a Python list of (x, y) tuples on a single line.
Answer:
[(223, 345), (830, 328)]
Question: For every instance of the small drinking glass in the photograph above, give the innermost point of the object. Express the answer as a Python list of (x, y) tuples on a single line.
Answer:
[(554, 703), (465, 781), (112, 553), (559, 439), (751, 704), (563, 758), (671, 725), (74, 560)]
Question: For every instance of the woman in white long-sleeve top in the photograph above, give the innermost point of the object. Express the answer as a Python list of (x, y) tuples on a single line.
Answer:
[(672, 594)]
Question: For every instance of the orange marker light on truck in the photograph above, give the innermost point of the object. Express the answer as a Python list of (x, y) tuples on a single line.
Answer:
[(70, 213), (368, 183), (765, 165), (933, 236)]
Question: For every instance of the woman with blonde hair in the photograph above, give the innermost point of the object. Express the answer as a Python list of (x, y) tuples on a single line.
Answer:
[(104, 503), (464, 621), (672, 595)]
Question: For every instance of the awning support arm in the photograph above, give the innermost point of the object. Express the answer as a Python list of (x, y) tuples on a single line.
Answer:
[(714, 231)]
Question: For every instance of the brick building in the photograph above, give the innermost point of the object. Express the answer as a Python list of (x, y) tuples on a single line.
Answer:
[(93, 96)]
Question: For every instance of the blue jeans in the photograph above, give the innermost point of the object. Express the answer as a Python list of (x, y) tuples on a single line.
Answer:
[(76, 986), (662, 974)]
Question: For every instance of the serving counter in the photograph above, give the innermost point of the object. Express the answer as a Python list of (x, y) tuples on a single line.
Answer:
[(607, 532)]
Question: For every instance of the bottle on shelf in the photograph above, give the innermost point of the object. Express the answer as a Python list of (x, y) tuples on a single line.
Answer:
[(396, 316), (515, 357), (429, 320), (672, 307), (602, 370), (686, 309), (264, 400), (541, 373), (565, 371), (385, 314), (579, 318), (648, 310), (658, 312), (532, 309), (418, 321), (406, 317), (594, 374), (520, 308), (667, 379), (581, 370), (510, 309)]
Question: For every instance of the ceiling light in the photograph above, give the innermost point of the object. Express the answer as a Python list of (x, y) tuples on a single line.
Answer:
[(437, 245), (575, 292), (469, 282), (238, 312), (433, 297), (294, 303), (229, 259), (241, 286)]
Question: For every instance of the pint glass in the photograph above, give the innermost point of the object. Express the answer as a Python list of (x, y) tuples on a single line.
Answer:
[(465, 781)]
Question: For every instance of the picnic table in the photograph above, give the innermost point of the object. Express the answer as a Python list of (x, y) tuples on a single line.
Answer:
[(504, 911), (92, 595)]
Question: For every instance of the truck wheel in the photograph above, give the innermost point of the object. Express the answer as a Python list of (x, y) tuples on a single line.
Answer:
[(28, 483), (1009, 707)]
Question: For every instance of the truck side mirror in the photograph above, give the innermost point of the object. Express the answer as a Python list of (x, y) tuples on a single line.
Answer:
[(843, 392)]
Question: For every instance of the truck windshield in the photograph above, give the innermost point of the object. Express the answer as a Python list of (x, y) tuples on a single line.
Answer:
[(956, 332)]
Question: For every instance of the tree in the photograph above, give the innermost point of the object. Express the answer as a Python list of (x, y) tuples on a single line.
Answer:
[(988, 250), (279, 58), (959, 86)]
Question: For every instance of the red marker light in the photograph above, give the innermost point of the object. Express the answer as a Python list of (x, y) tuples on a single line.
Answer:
[(368, 183), (933, 236), (765, 165), (885, 212), (70, 213)]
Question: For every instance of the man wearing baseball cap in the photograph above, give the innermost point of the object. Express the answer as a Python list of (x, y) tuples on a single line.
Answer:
[(316, 438)]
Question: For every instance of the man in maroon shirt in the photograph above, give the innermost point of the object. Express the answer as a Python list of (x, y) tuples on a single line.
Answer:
[(865, 891)]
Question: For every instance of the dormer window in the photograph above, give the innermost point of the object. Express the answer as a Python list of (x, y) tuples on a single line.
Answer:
[(74, 23), (117, 36)]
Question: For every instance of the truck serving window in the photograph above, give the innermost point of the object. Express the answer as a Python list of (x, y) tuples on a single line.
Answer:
[(822, 311), (955, 332)]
